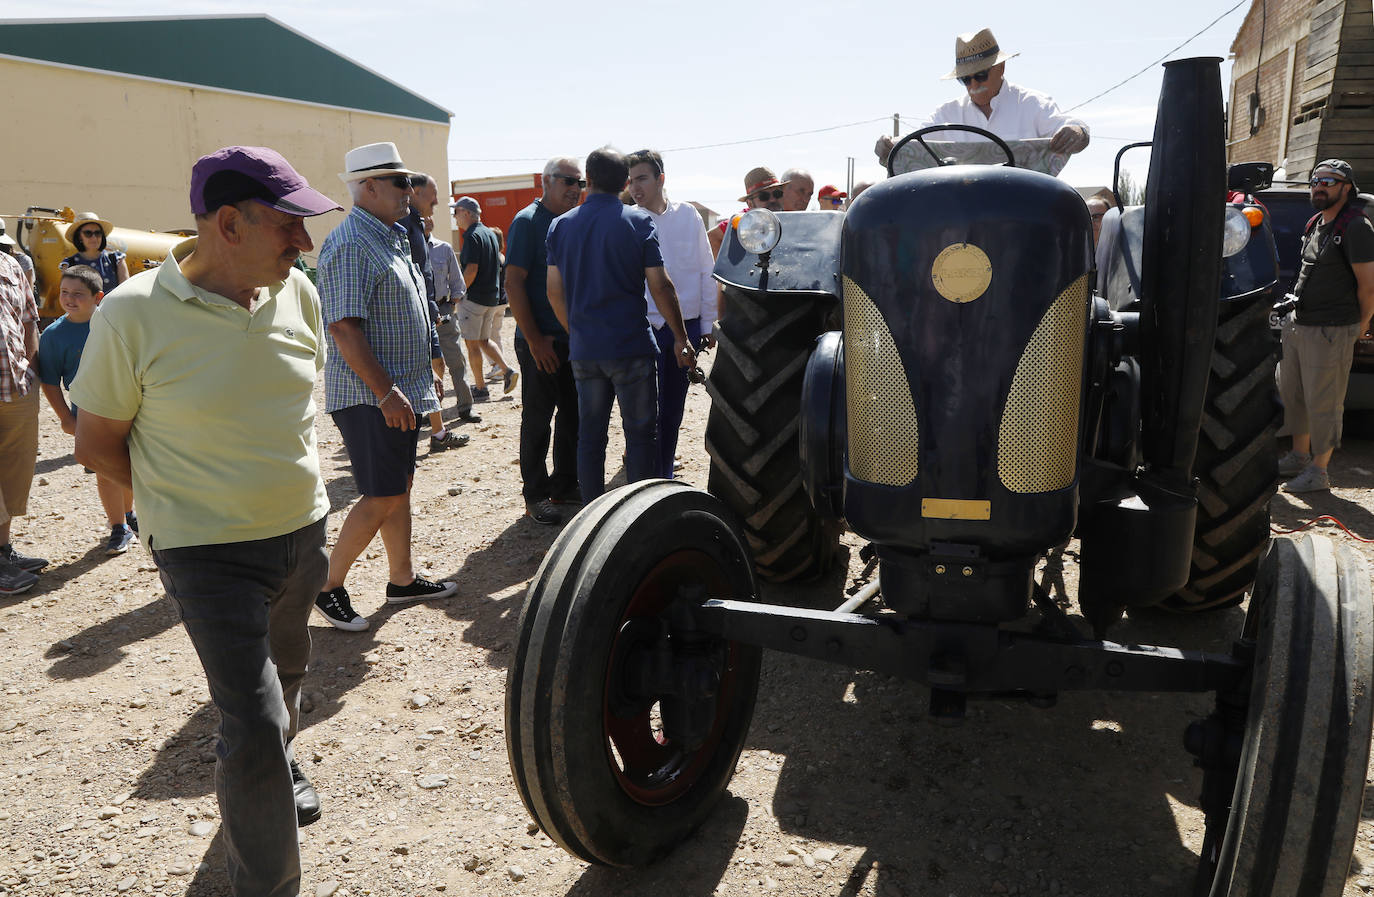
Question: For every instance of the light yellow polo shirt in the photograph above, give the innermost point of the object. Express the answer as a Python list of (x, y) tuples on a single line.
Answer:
[(223, 436)]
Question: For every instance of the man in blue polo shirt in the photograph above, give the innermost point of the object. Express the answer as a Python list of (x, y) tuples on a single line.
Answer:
[(548, 392), (600, 256)]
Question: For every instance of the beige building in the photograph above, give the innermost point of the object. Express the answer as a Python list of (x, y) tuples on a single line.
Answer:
[(109, 115)]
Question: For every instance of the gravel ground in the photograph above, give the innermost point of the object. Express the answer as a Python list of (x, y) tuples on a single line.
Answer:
[(845, 786)]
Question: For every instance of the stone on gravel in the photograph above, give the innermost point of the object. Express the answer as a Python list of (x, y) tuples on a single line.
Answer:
[(326, 888), (110, 812), (200, 828), (125, 884), (432, 780), (824, 854), (516, 873), (419, 700)]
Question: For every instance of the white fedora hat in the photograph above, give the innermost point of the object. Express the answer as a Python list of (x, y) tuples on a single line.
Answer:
[(373, 160)]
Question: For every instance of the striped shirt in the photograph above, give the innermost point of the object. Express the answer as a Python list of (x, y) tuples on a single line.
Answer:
[(448, 277), (17, 311), (366, 272)]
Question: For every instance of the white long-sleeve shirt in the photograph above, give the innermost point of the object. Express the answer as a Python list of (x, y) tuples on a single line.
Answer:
[(688, 261), (1018, 113)]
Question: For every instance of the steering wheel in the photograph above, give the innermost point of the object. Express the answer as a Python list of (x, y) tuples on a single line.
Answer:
[(918, 135)]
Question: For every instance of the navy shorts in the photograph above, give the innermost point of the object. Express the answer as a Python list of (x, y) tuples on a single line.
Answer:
[(383, 457)]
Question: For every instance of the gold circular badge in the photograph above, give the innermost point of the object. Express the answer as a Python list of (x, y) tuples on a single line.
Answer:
[(961, 272)]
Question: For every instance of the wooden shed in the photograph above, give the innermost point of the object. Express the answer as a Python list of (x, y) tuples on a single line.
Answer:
[(1302, 85)]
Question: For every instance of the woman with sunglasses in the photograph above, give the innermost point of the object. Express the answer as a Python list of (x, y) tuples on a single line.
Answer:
[(995, 104), (89, 233)]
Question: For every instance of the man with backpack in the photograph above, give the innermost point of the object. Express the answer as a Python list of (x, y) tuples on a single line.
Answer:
[(1335, 290)]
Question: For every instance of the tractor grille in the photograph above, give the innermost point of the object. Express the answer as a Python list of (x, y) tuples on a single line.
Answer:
[(1037, 444), (882, 417)]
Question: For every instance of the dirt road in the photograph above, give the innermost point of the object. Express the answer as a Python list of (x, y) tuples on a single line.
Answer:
[(845, 787)]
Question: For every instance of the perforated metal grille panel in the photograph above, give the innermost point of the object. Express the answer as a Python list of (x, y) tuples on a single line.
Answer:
[(882, 417), (1037, 443)]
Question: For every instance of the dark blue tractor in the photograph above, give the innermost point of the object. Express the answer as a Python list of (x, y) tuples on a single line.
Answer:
[(977, 404)]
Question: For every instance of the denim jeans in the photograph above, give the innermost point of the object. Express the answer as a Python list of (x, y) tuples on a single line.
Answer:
[(672, 393), (546, 397), (245, 606), (633, 382)]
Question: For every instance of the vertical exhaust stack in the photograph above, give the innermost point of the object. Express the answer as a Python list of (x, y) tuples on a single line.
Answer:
[(1181, 270), (1137, 545)]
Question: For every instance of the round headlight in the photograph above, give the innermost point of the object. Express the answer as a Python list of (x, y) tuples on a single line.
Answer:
[(1235, 232), (759, 230)]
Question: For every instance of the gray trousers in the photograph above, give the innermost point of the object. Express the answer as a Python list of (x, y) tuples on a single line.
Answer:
[(455, 357), (245, 607)]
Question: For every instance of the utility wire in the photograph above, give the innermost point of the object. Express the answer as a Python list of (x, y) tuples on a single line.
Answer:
[(1160, 59), (869, 121), (684, 149)]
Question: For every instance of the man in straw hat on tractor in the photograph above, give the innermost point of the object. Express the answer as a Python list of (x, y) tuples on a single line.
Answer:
[(995, 104)]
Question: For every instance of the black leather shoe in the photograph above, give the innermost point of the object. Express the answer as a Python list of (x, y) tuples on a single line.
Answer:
[(307, 801), (467, 417)]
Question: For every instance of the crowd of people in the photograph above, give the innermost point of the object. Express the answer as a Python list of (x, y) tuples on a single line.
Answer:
[(609, 281)]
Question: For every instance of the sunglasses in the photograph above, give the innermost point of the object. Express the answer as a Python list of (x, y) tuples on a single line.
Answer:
[(763, 196), (90, 233), (1325, 181), (399, 181), (980, 77), (833, 200), (569, 180)]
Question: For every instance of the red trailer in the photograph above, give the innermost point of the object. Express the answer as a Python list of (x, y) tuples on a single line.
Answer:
[(501, 198)]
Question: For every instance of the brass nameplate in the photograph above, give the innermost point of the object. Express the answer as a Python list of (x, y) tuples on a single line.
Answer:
[(956, 509)]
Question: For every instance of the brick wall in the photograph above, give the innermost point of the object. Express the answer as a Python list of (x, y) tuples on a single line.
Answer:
[(1285, 31)]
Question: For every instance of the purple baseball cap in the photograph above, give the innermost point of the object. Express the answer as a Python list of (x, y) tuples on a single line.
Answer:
[(236, 173)]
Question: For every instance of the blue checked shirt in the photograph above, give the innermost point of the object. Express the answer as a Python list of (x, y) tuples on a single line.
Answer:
[(365, 272)]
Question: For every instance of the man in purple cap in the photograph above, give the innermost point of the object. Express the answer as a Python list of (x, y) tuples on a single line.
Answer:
[(195, 391)]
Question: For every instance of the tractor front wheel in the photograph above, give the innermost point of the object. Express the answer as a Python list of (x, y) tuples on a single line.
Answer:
[(623, 724)]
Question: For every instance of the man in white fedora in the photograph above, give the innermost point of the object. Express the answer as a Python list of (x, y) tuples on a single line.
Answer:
[(378, 375), (995, 104)]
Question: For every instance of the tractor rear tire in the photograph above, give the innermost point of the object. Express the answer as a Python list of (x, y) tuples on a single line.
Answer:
[(1237, 460), (764, 341)]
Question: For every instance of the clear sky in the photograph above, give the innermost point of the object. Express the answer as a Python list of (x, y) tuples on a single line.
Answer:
[(528, 79)]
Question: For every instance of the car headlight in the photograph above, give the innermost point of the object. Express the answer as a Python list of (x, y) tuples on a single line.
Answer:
[(759, 230), (1235, 232)]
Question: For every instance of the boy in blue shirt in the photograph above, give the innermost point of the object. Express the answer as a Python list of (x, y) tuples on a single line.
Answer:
[(59, 356)]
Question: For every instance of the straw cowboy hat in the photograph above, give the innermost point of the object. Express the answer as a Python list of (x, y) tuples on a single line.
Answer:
[(373, 160), (975, 52), (758, 179), (86, 218)]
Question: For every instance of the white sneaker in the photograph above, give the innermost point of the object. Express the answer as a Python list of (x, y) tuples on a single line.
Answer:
[(1312, 479), (1292, 463)]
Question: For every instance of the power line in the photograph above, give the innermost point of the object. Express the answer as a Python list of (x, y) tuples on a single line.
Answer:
[(1160, 59), (684, 149)]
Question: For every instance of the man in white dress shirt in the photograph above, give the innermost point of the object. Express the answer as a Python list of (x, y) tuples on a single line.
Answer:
[(688, 260), (995, 104)]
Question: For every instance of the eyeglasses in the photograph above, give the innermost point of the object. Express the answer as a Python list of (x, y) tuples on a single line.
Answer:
[(980, 77), (763, 196), (1325, 181), (1097, 216), (570, 180), (833, 200), (90, 233), (399, 181)]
